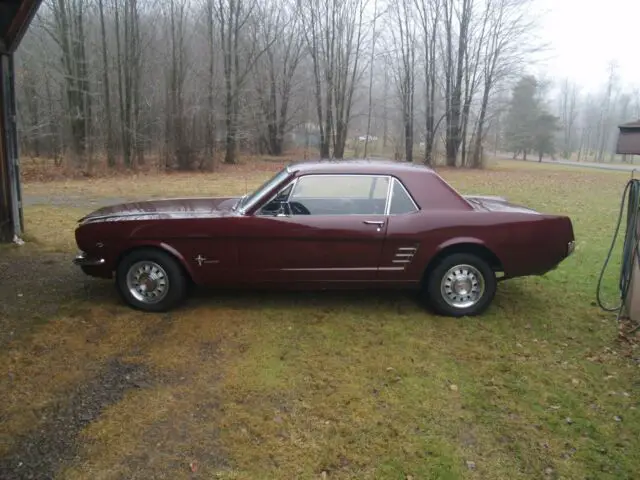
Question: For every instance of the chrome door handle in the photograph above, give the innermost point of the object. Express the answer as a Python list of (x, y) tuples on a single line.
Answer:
[(374, 222)]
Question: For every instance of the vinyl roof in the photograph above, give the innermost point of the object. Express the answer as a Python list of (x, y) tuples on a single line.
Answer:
[(15, 16)]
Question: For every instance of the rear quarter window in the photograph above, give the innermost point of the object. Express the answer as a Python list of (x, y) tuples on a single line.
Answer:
[(401, 201)]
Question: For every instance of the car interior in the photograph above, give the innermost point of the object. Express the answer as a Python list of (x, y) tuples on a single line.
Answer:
[(348, 195)]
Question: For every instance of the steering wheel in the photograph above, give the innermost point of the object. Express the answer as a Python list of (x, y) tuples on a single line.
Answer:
[(299, 209)]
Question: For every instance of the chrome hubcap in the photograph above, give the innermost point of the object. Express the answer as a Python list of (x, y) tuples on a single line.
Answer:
[(462, 286), (147, 282)]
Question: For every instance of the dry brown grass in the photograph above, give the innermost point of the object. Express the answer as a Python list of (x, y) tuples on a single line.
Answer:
[(51, 227), (47, 170)]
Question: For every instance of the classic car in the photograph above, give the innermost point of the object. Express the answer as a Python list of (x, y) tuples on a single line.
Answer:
[(325, 225)]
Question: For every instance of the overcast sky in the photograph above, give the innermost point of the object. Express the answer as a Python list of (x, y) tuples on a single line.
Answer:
[(585, 35)]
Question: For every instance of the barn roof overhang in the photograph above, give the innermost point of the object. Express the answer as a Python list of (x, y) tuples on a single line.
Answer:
[(629, 139), (15, 17)]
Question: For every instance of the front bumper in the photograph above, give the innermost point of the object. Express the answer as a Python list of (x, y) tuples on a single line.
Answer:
[(83, 260)]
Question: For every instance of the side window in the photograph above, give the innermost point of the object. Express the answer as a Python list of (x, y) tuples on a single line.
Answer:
[(401, 202), (340, 194)]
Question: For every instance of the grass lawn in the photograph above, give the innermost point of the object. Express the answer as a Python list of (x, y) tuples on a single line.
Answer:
[(347, 385)]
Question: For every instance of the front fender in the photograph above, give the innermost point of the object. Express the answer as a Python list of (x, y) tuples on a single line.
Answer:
[(161, 246)]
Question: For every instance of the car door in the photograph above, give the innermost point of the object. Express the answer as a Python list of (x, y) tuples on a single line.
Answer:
[(333, 230), (403, 238)]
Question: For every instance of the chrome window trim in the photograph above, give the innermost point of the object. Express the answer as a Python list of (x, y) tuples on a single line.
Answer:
[(242, 211), (389, 195), (370, 175), (292, 182), (387, 205), (413, 202), (345, 269)]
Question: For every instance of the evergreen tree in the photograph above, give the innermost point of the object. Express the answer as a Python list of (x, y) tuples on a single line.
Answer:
[(522, 116), (546, 126), (530, 127)]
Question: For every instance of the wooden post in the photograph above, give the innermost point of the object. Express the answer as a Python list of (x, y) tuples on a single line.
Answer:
[(11, 216)]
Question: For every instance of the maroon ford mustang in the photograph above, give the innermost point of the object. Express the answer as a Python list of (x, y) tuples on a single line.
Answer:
[(347, 224)]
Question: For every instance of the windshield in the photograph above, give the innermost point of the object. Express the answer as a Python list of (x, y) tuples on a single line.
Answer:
[(258, 193)]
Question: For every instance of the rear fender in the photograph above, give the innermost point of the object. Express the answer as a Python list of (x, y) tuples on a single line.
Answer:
[(464, 244), (459, 241)]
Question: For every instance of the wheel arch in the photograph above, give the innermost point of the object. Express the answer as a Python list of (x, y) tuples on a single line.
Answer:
[(469, 245), (161, 247)]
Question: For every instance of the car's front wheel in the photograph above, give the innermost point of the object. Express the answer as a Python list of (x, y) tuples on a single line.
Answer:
[(151, 280), (461, 284)]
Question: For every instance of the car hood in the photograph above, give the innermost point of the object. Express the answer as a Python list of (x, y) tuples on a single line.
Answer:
[(164, 209), (496, 204)]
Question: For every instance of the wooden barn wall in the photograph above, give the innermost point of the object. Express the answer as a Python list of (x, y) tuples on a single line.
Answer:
[(629, 142)]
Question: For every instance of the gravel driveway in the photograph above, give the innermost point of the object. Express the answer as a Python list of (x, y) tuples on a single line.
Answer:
[(36, 285), (76, 201)]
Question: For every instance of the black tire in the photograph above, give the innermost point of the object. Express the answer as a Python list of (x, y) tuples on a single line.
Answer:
[(165, 266), (432, 289)]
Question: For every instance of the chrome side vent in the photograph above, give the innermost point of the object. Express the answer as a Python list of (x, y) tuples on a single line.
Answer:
[(404, 255)]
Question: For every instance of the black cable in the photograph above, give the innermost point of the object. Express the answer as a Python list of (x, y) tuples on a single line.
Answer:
[(630, 245)]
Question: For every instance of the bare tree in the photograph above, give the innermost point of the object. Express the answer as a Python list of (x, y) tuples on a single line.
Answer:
[(604, 129), (568, 116), (506, 46), (178, 148), (472, 69), (138, 80), (128, 44), (283, 44), (210, 124), (371, 70), (334, 33), (429, 17), (403, 34), (457, 20), (111, 160), (237, 30), (68, 33)]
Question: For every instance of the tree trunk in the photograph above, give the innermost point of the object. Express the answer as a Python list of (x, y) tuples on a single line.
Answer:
[(111, 159), (477, 149), (373, 50)]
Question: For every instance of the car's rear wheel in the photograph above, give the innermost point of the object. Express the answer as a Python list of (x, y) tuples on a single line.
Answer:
[(151, 280), (461, 284)]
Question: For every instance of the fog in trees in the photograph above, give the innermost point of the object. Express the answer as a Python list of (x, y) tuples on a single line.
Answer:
[(189, 84)]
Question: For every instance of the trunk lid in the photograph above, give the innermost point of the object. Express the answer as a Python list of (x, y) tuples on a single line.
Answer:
[(489, 203)]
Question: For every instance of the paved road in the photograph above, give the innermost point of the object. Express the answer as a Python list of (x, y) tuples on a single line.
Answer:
[(598, 166)]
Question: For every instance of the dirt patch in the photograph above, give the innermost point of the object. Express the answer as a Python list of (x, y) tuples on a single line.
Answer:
[(41, 453), (36, 286)]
